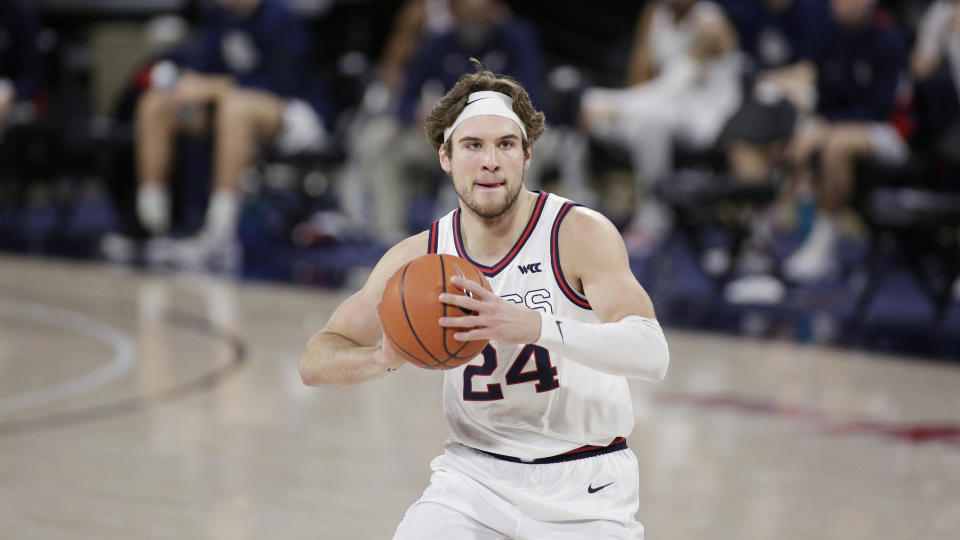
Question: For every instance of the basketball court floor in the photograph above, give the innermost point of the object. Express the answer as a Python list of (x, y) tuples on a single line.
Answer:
[(138, 405)]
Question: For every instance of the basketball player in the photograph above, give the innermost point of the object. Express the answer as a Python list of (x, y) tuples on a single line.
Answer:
[(538, 420)]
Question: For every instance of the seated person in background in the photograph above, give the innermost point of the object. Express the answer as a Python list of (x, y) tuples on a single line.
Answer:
[(390, 151), (779, 39), (244, 83), (857, 71), (415, 19), (938, 43), (683, 83), (21, 68), (374, 121)]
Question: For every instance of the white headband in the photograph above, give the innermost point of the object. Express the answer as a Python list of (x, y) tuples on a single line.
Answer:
[(486, 103)]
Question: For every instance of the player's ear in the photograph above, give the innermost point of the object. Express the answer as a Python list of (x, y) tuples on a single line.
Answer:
[(444, 158), (528, 153)]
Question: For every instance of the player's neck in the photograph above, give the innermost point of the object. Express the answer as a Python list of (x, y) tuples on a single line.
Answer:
[(489, 240)]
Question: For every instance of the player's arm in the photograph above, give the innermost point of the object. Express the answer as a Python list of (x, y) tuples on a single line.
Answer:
[(346, 351), (629, 342), (640, 68), (932, 33), (713, 36)]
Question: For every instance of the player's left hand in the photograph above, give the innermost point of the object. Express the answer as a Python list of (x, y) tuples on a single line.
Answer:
[(495, 318)]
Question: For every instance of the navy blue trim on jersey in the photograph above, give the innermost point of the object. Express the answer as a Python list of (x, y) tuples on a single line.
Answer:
[(491, 271), (434, 237), (578, 453), (565, 287)]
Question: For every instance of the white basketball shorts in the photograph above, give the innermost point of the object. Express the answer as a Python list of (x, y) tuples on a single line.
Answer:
[(473, 496)]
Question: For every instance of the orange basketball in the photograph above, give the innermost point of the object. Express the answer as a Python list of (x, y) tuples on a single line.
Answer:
[(410, 310)]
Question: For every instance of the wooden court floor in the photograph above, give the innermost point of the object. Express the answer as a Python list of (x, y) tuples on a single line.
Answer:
[(137, 405)]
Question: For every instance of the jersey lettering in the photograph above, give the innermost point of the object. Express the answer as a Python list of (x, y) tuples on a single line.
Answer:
[(539, 300), (515, 298)]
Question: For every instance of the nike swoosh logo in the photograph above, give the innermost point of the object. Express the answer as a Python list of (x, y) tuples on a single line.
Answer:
[(591, 489), (561, 339), (478, 99)]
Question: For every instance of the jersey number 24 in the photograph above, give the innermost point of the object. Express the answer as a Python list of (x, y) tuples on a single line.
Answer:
[(544, 373)]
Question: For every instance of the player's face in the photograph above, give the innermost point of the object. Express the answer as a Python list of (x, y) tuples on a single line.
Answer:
[(487, 163)]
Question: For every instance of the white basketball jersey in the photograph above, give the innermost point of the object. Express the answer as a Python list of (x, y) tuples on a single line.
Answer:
[(523, 400)]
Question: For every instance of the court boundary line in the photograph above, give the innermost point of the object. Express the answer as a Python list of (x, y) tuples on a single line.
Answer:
[(124, 358), (146, 401)]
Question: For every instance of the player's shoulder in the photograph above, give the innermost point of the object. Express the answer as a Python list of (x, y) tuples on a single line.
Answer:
[(587, 231), (587, 222), (406, 250), (587, 242)]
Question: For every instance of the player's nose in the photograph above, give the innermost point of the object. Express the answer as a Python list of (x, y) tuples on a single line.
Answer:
[(491, 160)]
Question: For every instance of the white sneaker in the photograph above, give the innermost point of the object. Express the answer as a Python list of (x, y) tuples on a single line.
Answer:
[(118, 248), (198, 253), (715, 261), (816, 258), (755, 289), (810, 263), (158, 251)]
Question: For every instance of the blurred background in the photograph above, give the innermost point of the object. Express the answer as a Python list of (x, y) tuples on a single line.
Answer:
[(787, 169)]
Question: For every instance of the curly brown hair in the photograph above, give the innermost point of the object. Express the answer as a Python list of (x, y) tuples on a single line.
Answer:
[(449, 107)]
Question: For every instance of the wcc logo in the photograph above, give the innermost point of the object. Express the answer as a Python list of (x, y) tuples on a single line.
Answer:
[(531, 268)]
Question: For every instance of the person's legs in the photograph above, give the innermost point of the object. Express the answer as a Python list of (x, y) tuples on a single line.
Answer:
[(750, 163), (651, 128), (156, 124), (392, 181), (367, 140), (426, 520), (468, 497), (845, 144), (244, 119), (842, 145)]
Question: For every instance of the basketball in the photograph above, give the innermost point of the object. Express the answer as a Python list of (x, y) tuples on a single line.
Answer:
[(410, 310)]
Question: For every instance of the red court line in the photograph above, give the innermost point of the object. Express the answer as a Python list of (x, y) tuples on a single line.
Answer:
[(830, 424)]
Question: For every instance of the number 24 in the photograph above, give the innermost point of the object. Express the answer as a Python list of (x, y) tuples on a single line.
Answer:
[(545, 373)]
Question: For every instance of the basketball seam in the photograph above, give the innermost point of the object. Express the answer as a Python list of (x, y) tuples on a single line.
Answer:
[(444, 306), (456, 354), (450, 355), (406, 314), (393, 340)]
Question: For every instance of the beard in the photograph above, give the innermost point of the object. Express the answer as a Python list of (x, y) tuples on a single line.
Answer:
[(491, 210)]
